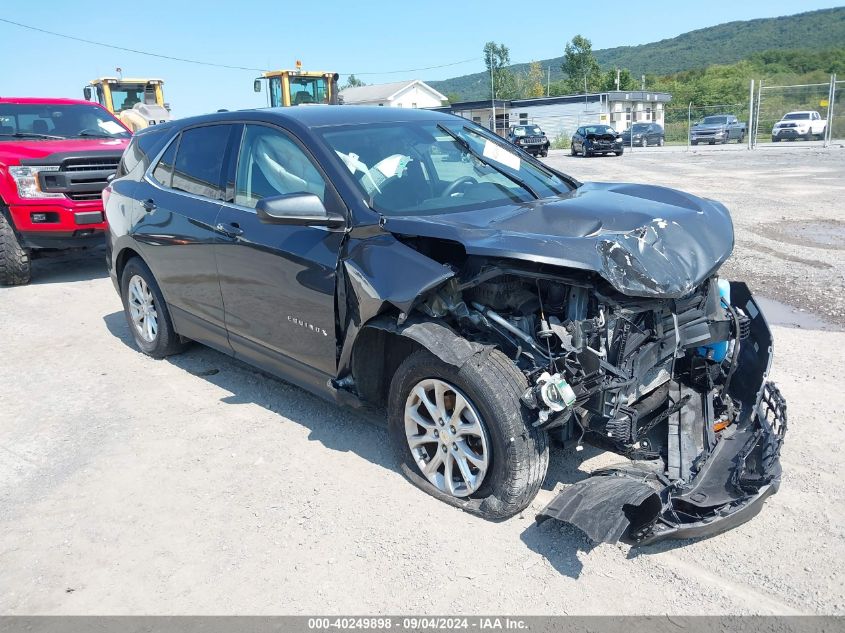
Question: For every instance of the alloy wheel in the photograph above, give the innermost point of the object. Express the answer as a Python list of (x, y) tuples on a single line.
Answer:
[(142, 308), (447, 437)]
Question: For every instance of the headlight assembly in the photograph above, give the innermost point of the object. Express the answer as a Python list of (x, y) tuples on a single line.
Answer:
[(26, 179)]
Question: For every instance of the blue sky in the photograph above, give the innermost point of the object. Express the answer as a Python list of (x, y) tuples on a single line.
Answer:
[(368, 38)]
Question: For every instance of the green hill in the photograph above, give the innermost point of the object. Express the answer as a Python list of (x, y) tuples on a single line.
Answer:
[(721, 44)]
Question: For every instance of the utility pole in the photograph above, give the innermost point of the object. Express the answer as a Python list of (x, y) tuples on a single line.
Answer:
[(492, 93), (643, 84), (617, 79), (549, 80), (585, 92)]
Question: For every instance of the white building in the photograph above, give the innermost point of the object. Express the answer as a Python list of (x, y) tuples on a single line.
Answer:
[(561, 116), (399, 94)]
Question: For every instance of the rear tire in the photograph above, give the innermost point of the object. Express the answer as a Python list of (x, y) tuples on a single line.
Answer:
[(15, 269), (146, 312), (516, 453), (775, 139)]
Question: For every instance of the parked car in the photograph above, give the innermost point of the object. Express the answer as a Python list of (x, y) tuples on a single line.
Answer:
[(645, 134), (530, 138), (805, 124), (486, 303), (719, 128), (55, 158), (590, 140)]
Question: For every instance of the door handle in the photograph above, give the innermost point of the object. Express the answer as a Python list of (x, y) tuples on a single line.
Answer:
[(230, 230), (149, 205)]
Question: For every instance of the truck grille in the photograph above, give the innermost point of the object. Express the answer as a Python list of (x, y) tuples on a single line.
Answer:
[(81, 178)]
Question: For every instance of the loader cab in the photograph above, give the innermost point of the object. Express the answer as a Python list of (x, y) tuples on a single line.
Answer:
[(298, 87), (139, 103)]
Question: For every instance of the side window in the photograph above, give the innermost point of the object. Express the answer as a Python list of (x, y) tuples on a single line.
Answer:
[(271, 164), (199, 161), (164, 169)]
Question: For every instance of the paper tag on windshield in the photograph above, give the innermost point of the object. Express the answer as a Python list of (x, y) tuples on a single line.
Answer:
[(111, 127), (501, 155)]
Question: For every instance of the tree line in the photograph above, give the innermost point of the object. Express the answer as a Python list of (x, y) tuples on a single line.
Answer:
[(713, 84)]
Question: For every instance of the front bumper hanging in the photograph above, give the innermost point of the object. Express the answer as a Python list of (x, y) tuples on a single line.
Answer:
[(641, 506)]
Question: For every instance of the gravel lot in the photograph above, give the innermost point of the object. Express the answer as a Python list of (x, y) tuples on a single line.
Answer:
[(197, 485)]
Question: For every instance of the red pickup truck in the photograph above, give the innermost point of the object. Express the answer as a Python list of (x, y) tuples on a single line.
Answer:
[(56, 156)]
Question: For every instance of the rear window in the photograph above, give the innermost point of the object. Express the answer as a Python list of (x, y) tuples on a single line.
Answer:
[(163, 173), (140, 152)]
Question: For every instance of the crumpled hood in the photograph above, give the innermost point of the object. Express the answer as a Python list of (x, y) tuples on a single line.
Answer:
[(645, 240)]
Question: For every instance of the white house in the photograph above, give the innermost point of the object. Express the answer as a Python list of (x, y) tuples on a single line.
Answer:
[(561, 116), (399, 94)]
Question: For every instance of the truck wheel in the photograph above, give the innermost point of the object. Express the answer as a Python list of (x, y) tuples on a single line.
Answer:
[(14, 258), (146, 312), (741, 138), (808, 136), (822, 135), (463, 436)]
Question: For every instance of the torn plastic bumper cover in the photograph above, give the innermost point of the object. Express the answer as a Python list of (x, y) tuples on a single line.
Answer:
[(727, 485)]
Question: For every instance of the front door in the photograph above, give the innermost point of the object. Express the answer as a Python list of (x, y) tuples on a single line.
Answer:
[(278, 282)]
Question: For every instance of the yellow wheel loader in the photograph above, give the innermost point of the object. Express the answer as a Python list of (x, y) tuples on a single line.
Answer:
[(299, 87), (139, 103)]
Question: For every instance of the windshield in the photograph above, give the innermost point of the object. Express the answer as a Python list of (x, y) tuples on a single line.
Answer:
[(426, 168), (599, 129), (57, 121), (797, 116), (715, 120), (302, 90), (527, 130), (640, 127), (125, 96)]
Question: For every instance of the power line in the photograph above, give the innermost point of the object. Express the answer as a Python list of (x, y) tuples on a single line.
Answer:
[(413, 70), (129, 50), (204, 63)]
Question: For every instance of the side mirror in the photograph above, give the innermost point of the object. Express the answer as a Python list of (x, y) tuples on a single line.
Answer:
[(297, 208), (86, 92), (256, 85)]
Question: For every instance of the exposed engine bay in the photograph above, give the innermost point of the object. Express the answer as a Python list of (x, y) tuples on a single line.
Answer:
[(677, 385)]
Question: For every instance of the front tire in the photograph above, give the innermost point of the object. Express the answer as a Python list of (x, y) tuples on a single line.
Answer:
[(146, 312), (644, 142), (490, 460), (15, 269)]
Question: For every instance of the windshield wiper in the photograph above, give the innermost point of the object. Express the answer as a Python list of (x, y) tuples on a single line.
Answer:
[(463, 143), (95, 134), (33, 135)]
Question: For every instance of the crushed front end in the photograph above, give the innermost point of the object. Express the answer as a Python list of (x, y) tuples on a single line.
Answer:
[(677, 385)]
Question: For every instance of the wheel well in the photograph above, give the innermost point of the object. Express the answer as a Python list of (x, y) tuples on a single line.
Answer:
[(375, 358), (122, 258)]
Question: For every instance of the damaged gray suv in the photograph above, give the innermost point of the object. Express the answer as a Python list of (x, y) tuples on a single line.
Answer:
[(489, 302)]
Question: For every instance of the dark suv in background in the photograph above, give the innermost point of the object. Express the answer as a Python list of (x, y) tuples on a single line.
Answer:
[(485, 302), (644, 134), (530, 138)]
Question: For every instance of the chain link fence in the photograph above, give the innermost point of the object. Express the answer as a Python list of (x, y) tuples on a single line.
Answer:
[(774, 102)]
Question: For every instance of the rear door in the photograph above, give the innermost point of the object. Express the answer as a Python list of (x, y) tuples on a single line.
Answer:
[(278, 281), (180, 199)]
